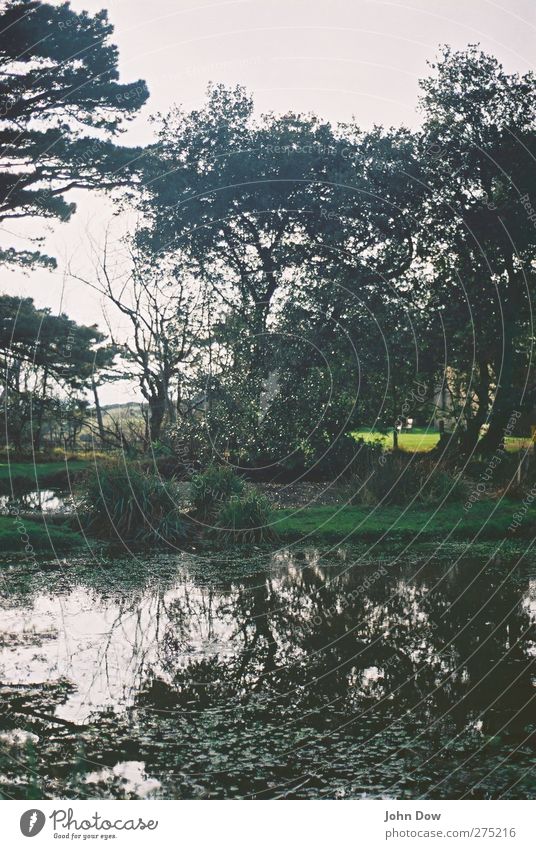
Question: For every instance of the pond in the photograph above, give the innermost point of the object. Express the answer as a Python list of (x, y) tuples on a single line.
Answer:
[(37, 501), (295, 675)]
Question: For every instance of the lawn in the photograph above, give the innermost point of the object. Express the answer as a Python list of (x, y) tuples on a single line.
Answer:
[(423, 439), (484, 520)]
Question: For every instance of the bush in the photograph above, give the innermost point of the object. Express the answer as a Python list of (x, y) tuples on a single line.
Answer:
[(160, 448), (326, 458), (166, 467), (211, 488), (500, 470), (121, 500), (399, 479), (245, 519)]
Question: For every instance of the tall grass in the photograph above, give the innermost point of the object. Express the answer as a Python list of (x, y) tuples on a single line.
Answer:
[(212, 488), (245, 519), (120, 500), (233, 512)]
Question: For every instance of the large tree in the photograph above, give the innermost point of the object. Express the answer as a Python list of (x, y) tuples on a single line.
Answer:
[(59, 80), (255, 200), (164, 319), (44, 358), (266, 207), (478, 149)]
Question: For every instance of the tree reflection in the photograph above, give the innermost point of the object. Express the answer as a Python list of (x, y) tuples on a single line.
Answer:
[(307, 678)]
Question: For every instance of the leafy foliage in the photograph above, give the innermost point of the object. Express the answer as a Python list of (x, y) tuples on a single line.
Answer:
[(477, 148), (58, 77), (46, 360)]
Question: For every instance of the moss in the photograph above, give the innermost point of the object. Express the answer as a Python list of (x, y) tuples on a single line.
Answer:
[(18, 533)]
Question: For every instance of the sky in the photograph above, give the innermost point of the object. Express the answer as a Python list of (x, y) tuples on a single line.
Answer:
[(338, 58)]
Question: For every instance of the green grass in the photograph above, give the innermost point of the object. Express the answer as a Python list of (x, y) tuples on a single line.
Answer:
[(17, 534), (485, 520), (28, 474), (421, 439)]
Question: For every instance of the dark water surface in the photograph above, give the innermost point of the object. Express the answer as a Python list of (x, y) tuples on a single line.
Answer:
[(296, 675)]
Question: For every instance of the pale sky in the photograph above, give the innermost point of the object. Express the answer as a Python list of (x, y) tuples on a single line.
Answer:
[(340, 59)]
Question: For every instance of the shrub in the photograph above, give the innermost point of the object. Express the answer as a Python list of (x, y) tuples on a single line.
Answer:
[(327, 457), (500, 470), (211, 488), (159, 448), (443, 487), (245, 519), (166, 467), (399, 478), (121, 500)]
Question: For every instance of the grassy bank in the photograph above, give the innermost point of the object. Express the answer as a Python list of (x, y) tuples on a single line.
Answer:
[(38, 475), (330, 524), (485, 520), (18, 533)]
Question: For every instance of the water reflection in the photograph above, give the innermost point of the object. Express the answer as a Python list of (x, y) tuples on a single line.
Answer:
[(300, 679), (38, 500)]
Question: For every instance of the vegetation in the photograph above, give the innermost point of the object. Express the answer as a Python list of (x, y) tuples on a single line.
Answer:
[(210, 489), (39, 475), (122, 502), (262, 339), (479, 284), (287, 295), (423, 439), (59, 80), (48, 362), (401, 479), (487, 519), (255, 322), (28, 536), (245, 518)]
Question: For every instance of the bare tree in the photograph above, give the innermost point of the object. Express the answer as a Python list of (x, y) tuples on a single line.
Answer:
[(166, 312)]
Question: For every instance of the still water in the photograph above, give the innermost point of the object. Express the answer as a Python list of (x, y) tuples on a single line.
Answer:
[(295, 675), (37, 501)]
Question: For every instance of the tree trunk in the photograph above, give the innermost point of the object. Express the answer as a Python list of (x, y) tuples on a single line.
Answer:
[(506, 397), (157, 408), (504, 402), (469, 439), (40, 414), (98, 412)]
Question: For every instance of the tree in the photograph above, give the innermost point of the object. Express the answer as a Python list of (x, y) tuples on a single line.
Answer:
[(262, 206), (166, 320), (59, 78), (253, 201), (44, 357), (350, 358), (478, 148)]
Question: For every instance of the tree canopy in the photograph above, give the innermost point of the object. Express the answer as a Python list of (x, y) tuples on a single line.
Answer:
[(61, 102)]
